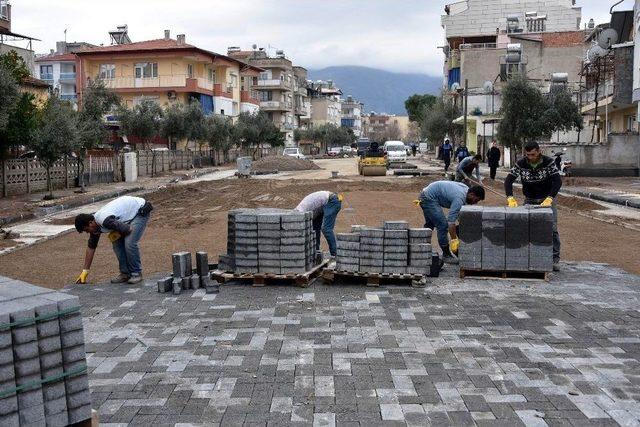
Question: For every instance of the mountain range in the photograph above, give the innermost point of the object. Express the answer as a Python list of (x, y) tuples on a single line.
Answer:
[(380, 91)]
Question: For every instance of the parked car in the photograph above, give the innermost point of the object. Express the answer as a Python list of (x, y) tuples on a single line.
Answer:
[(396, 151), (293, 152), (334, 151)]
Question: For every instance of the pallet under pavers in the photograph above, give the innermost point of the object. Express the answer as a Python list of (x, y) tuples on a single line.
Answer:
[(261, 279), (333, 277), (43, 368)]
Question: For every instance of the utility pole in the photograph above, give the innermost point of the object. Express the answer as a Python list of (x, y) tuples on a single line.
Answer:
[(465, 107)]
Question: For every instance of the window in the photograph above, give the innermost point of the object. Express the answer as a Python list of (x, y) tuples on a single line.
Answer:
[(145, 70), (266, 75), (138, 99), (266, 95), (234, 80), (107, 71), (211, 75), (190, 71), (631, 123), (46, 72)]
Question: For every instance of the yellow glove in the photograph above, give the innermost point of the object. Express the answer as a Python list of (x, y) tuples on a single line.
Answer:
[(113, 236), (512, 202), (340, 197), (418, 203), (454, 245), (82, 278), (546, 203)]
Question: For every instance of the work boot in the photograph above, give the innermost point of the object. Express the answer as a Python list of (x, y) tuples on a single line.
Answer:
[(448, 257), (122, 278), (135, 279)]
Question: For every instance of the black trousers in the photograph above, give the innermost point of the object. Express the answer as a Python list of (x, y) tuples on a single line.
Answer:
[(447, 162), (492, 171)]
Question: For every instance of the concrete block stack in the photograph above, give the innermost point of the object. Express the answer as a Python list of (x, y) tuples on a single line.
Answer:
[(265, 240), (184, 276), (43, 369), (394, 249), (506, 239)]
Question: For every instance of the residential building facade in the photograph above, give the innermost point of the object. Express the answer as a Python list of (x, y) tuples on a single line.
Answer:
[(352, 115), (168, 70), (11, 41), (385, 127), (277, 86), (326, 104), (59, 70)]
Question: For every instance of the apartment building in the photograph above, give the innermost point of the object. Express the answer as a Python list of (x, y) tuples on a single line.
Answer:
[(277, 87), (168, 70), (326, 104), (302, 103), (12, 41), (384, 127), (352, 115)]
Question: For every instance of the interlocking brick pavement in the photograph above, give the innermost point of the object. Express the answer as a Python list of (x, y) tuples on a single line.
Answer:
[(473, 352)]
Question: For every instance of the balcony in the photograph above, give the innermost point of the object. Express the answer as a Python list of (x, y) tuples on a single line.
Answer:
[(285, 127), (250, 96), (275, 106), (46, 76), (301, 90), (469, 46), (610, 95), (220, 90), (68, 76), (274, 84), (69, 97), (302, 110), (178, 81)]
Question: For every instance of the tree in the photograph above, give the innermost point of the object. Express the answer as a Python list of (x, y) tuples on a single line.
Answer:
[(21, 125), (56, 136), (97, 101), (14, 63), (218, 131), (416, 104), (528, 115), (142, 122), (327, 135), (174, 126), (8, 98), (253, 131), (437, 122), (195, 123)]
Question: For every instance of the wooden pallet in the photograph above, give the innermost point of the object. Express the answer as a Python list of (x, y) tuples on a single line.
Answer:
[(504, 275), (262, 279), (331, 276)]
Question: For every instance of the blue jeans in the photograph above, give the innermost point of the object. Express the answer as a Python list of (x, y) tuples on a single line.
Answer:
[(127, 250), (327, 222), (434, 219)]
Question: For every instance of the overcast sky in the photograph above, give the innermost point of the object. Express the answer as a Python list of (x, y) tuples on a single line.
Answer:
[(396, 35)]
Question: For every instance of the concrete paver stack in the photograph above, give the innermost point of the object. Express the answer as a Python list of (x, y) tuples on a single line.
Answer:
[(393, 249), (506, 239), (43, 368), (272, 241)]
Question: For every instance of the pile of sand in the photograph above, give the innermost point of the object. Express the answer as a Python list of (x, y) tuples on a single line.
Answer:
[(282, 164)]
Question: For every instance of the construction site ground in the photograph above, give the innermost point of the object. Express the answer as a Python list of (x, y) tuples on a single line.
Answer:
[(193, 217)]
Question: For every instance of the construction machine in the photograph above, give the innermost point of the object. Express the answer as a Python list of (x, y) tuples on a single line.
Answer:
[(373, 162)]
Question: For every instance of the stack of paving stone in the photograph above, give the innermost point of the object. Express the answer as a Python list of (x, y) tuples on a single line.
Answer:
[(43, 368), (185, 277), (506, 239), (271, 241), (395, 248)]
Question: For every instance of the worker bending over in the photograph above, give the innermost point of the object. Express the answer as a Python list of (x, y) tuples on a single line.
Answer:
[(124, 219), (451, 195), (466, 168), (325, 206), (541, 183)]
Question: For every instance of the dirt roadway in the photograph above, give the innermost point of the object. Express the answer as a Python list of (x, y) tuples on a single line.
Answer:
[(194, 218)]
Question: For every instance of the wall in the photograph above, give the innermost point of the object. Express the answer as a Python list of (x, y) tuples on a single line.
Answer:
[(482, 17), (25, 54), (620, 156)]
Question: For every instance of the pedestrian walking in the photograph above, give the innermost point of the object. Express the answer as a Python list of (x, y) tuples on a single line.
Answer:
[(462, 152), (493, 159), (446, 151)]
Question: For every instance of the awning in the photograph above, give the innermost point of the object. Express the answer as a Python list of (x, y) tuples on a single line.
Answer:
[(486, 119)]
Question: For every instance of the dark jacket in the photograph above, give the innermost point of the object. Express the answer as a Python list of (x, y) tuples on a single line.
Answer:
[(461, 153), (493, 157), (537, 183)]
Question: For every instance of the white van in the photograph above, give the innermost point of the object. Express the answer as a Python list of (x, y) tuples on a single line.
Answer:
[(396, 151)]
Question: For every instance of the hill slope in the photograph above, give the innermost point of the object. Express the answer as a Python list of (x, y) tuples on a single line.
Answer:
[(380, 91)]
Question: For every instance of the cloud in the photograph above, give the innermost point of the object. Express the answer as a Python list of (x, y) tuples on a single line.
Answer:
[(396, 35)]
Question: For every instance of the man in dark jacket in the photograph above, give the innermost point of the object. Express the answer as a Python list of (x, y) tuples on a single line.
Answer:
[(541, 183), (446, 151), (462, 152), (493, 159)]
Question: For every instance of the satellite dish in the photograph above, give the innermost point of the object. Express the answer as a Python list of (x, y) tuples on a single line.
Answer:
[(488, 86), (595, 52), (607, 38)]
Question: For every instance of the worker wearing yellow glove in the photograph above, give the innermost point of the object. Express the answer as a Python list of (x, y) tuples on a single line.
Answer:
[(82, 278), (541, 183), (454, 245), (512, 202)]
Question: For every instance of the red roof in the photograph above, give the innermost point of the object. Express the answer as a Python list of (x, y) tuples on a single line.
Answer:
[(33, 82), (158, 45), (57, 57)]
